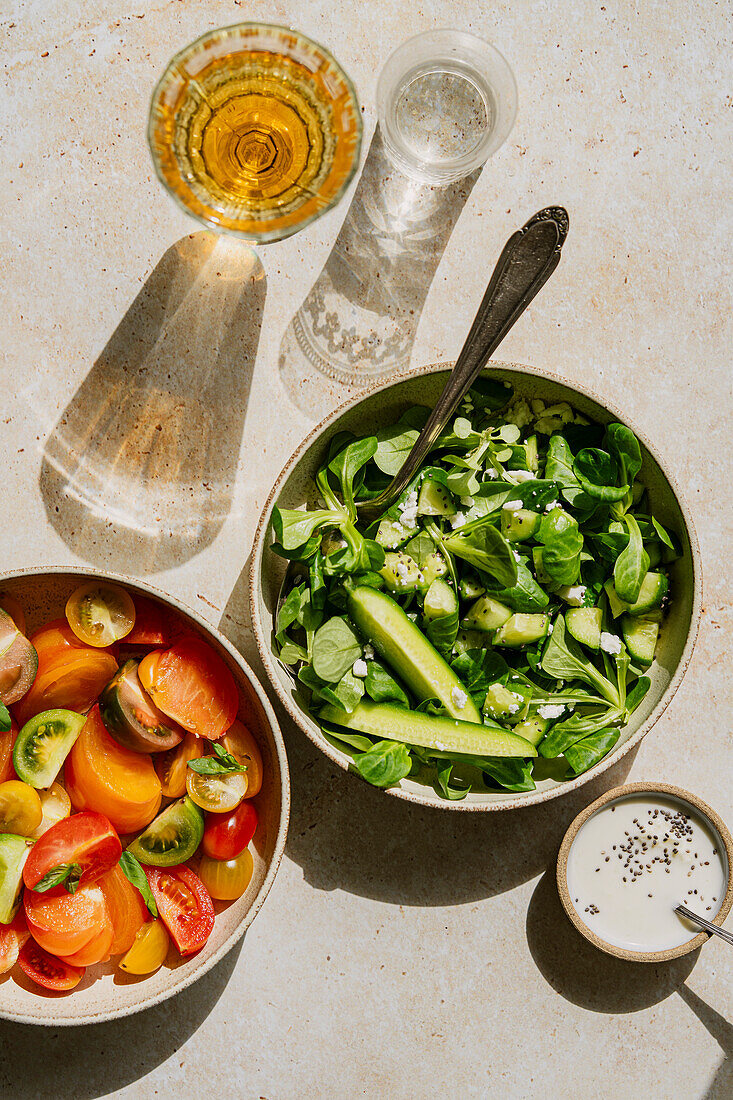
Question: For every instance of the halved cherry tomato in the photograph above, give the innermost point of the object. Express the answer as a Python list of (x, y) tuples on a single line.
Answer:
[(55, 805), (149, 950), (103, 776), (151, 626), (219, 794), (67, 679), (226, 835), (191, 684), (20, 808), (46, 970), (126, 909), (184, 904), (64, 923), (86, 840), (7, 740), (227, 880), (12, 938), (15, 611), (239, 741), (172, 766), (100, 613)]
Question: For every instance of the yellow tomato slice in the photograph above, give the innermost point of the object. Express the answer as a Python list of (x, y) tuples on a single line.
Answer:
[(55, 806), (219, 794), (227, 879), (100, 613), (20, 808), (148, 951)]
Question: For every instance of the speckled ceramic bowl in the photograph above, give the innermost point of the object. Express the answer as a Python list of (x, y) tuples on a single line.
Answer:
[(106, 992), (384, 404)]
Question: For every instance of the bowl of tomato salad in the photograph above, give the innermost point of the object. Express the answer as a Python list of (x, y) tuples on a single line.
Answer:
[(144, 796)]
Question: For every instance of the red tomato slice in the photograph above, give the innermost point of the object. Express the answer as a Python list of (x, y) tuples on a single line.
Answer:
[(86, 839), (126, 909), (191, 684), (227, 835), (151, 625), (46, 970), (64, 923), (7, 740), (184, 904)]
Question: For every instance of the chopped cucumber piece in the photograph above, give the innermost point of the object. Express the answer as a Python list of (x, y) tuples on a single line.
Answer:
[(486, 614), (391, 534), (520, 525), (470, 586), (469, 639), (435, 566), (504, 705), (43, 744), (13, 854), (444, 735), (584, 624), (435, 499), (652, 592), (522, 630), (531, 449), (406, 649), (640, 636), (401, 573), (440, 600), (533, 729)]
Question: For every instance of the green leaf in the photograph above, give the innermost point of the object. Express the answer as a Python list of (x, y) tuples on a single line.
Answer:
[(585, 753), (511, 774), (444, 769), (624, 446), (347, 464), (663, 535), (442, 632), (631, 565), (597, 475), (5, 721), (561, 555), (385, 764), (294, 528), (564, 734), (382, 687), (564, 659), (559, 463), (335, 648), (345, 694), (637, 693), (526, 595), (487, 549), (394, 445), (64, 874), (134, 873), (221, 763)]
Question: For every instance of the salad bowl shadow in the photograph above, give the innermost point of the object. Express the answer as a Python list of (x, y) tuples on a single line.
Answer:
[(383, 405), (105, 993)]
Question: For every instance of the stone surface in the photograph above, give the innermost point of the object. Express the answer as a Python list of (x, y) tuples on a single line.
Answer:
[(401, 953)]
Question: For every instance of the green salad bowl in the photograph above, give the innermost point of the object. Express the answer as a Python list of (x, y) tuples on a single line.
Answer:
[(383, 405)]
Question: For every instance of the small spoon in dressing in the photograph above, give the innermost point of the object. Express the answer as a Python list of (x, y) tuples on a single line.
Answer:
[(704, 923)]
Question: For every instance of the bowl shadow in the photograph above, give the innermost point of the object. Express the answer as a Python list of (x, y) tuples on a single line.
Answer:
[(51, 1061)]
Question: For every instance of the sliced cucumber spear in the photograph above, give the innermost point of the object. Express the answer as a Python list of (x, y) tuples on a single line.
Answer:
[(444, 735), (406, 649)]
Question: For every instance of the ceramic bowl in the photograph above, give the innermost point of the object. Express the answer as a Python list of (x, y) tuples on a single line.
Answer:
[(384, 404), (106, 992), (714, 822)]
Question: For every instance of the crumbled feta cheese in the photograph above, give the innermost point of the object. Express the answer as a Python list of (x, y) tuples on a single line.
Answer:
[(492, 473), (516, 555), (550, 710), (360, 668), (408, 510), (574, 594), (546, 425), (611, 643), (368, 652), (412, 616), (517, 476), (512, 505), (551, 505), (550, 628), (467, 502), (459, 698), (402, 570), (513, 708), (458, 520)]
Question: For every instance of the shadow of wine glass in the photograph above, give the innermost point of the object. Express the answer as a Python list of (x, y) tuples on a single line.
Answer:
[(581, 973), (46, 1061), (721, 1087), (359, 320), (142, 464)]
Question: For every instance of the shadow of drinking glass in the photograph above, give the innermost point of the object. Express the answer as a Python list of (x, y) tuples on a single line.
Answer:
[(721, 1087), (142, 464), (359, 321)]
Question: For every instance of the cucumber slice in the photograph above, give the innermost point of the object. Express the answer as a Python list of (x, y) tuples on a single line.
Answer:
[(470, 586), (445, 735), (406, 649), (532, 456), (131, 716), (532, 729), (486, 614), (652, 592), (520, 525), (504, 705), (43, 744), (172, 837), (522, 630), (401, 572), (391, 534), (435, 566), (584, 624), (434, 499), (440, 600), (13, 854), (469, 639), (640, 636), (18, 661)]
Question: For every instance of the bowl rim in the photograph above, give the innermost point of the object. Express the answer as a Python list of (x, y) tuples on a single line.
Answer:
[(614, 795), (261, 631), (44, 1017)]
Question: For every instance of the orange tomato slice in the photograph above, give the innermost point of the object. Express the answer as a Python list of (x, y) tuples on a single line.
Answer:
[(54, 636), (68, 679), (172, 766), (191, 683), (101, 775), (126, 909), (7, 740), (64, 923), (97, 950), (239, 741)]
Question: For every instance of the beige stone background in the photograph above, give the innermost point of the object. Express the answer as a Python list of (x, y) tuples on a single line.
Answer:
[(401, 953)]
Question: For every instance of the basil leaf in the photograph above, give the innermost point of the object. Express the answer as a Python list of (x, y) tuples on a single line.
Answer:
[(585, 753), (393, 446), (385, 764), (65, 874), (294, 528), (335, 648), (487, 549), (222, 763), (5, 721), (631, 565), (382, 687), (134, 873)]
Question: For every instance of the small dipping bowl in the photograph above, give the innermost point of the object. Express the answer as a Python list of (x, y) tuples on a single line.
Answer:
[(608, 848)]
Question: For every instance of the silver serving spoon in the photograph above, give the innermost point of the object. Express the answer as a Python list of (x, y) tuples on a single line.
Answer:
[(705, 923)]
